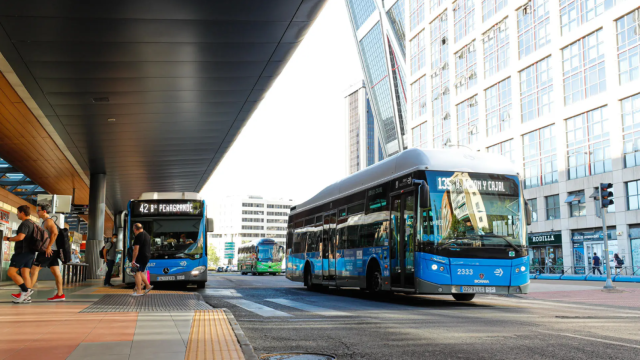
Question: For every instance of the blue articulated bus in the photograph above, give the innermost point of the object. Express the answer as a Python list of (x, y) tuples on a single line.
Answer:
[(423, 221), (177, 225)]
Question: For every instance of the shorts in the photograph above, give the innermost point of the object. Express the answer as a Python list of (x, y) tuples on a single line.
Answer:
[(142, 265), (47, 262), (21, 261)]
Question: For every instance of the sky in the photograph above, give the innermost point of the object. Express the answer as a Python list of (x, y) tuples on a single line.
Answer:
[(294, 144)]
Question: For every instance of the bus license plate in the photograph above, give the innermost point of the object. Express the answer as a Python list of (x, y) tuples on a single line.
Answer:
[(166, 278), (479, 289)]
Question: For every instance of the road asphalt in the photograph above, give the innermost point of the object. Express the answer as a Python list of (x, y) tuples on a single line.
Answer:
[(278, 316)]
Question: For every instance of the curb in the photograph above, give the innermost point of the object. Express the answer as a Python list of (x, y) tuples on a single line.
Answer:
[(247, 349)]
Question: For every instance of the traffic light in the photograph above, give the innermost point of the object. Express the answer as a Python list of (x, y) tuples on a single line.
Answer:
[(606, 196)]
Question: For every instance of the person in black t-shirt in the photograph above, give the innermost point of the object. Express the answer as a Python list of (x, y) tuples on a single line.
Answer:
[(141, 257), (22, 258)]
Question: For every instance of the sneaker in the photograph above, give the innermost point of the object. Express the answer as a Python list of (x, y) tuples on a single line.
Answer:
[(136, 294), (57, 297), (109, 285), (149, 289), (23, 299), (16, 296)]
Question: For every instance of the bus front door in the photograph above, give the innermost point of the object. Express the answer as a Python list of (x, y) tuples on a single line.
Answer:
[(329, 247), (401, 244)]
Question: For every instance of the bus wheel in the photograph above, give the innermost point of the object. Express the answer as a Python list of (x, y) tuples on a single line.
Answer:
[(308, 281), (463, 297), (374, 279)]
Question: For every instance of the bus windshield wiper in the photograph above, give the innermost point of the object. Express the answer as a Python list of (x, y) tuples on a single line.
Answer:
[(451, 241), (503, 238)]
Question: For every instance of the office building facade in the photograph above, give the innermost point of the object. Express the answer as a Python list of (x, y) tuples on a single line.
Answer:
[(363, 145), (553, 86), (242, 219)]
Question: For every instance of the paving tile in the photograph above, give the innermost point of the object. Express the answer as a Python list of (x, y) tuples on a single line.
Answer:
[(158, 346), (156, 356), (102, 348), (100, 357)]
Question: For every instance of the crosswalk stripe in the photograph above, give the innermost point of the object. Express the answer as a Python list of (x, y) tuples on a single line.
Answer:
[(310, 308), (257, 308)]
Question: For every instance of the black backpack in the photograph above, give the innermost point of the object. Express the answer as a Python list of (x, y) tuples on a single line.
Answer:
[(39, 241), (620, 261), (63, 244), (102, 252)]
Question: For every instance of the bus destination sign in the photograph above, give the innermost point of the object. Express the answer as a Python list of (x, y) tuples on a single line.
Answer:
[(144, 208)]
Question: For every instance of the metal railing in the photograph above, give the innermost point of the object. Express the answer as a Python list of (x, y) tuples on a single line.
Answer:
[(74, 273), (584, 270)]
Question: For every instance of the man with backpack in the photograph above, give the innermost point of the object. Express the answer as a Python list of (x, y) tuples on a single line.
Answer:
[(23, 255), (51, 256), (109, 256)]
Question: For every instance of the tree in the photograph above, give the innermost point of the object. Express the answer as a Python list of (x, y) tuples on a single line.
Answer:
[(212, 255)]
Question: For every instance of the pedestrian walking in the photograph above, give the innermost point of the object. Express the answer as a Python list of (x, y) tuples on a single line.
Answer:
[(51, 256), (110, 259), (618, 263), (23, 257), (140, 259), (596, 263)]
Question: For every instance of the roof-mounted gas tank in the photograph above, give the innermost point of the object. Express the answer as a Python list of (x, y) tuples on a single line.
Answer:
[(170, 196)]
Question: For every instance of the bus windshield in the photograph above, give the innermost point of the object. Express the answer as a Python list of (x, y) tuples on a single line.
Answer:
[(173, 238), (472, 210), (268, 253)]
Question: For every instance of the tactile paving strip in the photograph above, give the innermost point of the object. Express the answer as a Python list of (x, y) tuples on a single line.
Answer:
[(148, 303)]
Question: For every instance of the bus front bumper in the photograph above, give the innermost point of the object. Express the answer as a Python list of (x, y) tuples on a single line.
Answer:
[(425, 287), (182, 276)]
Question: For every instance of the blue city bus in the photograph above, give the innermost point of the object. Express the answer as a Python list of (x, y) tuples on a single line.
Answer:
[(423, 221), (177, 225)]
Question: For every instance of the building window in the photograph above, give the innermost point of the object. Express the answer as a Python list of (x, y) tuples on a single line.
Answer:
[(250, 227), (276, 213), (397, 18), (419, 97), (576, 202), (583, 68), (498, 106), (631, 130), (463, 18), (533, 203), (435, 4), (633, 195), (252, 220), (354, 133), (540, 162), (553, 207), (534, 28), (440, 81), (628, 29), (504, 148), (361, 10), (467, 113), (252, 205), (574, 13), (417, 52), (491, 7), (420, 136), (536, 88), (416, 12), (466, 67), (588, 144), (496, 48)]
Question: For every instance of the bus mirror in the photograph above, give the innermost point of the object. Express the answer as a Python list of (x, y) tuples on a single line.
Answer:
[(209, 225), (529, 212), (425, 198)]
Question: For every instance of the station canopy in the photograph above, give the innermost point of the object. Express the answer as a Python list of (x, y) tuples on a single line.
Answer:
[(152, 93)]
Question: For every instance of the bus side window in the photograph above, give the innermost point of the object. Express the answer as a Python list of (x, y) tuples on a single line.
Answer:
[(296, 242), (352, 236)]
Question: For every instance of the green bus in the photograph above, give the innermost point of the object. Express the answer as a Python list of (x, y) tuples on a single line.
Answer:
[(260, 257)]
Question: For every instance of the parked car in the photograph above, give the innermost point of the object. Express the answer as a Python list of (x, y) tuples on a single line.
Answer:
[(220, 269)]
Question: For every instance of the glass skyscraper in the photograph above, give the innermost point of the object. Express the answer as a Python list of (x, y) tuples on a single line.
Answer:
[(380, 34)]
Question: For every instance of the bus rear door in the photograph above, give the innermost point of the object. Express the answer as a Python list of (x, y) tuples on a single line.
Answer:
[(329, 247)]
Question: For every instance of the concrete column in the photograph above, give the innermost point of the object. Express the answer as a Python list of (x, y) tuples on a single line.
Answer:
[(95, 236)]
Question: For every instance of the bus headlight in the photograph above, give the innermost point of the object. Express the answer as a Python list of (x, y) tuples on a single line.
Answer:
[(441, 268), (434, 267), (523, 268), (198, 270)]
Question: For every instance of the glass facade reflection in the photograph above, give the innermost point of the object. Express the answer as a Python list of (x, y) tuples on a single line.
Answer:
[(361, 10)]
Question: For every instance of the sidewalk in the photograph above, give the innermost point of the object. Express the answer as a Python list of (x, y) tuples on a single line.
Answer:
[(625, 294), (72, 330)]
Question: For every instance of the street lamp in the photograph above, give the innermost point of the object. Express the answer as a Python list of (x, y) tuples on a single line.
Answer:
[(450, 144)]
